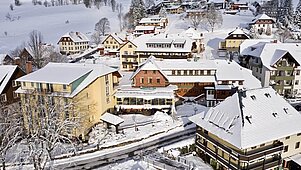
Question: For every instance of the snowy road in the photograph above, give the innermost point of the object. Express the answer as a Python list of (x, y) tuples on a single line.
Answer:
[(96, 159)]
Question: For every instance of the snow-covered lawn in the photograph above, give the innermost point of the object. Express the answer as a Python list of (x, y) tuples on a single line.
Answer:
[(128, 165), (50, 21)]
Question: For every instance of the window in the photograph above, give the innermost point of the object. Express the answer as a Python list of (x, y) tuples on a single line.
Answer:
[(296, 82), (24, 84), (158, 80), (297, 145), (254, 147), (145, 71), (179, 72), (14, 83), (130, 46), (173, 72), (15, 95), (288, 137), (185, 72), (141, 80), (3, 98), (298, 72), (150, 80), (64, 87), (298, 134), (154, 71), (286, 148)]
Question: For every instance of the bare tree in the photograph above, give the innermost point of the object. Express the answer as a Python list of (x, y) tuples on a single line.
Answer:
[(120, 15), (195, 20), (113, 5), (10, 129), (11, 7), (36, 47), (213, 17), (102, 26)]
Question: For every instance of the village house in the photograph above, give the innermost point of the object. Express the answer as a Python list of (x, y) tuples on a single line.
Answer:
[(6, 59), (233, 40), (243, 131), (165, 46), (112, 43), (73, 43), (156, 21), (175, 9), (140, 30), (8, 86), (262, 24), (88, 88), (276, 65)]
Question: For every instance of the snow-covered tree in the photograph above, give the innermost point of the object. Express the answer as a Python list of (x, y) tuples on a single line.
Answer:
[(213, 17), (283, 34), (96, 37), (102, 26), (50, 122), (87, 3), (163, 12), (136, 13), (268, 30), (11, 7), (17, 2), (149, 3), (11, 129)]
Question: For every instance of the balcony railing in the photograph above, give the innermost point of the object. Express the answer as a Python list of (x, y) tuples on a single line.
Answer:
[(276, 148)]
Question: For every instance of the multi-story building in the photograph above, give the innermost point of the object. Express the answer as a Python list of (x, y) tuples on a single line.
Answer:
[(213, 80), (112, 43), (73, 43), (165, 46), (243, 131), (155, 21), (262, 24), (8, 86), (233, 40), (88, 88), (276, 64)]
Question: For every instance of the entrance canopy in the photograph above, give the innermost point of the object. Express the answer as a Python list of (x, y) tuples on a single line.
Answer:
[(111, 119)]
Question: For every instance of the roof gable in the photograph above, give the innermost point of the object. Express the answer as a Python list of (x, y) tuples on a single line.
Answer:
[(115, 37), (6, 72)]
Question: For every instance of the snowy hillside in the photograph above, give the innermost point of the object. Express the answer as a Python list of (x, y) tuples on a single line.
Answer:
[(50, 21)]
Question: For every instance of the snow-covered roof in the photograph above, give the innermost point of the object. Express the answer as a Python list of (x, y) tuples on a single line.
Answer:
[(228, 70), (183, 64), (262, 17), (193, 34), (244, 46), (253, 118), (148, 64), (6, 71), (112, 119), (269, 53), (142, 28), (238, 31), (155, 19), (66, 73), (142, 41), (76, 36), (2, 57), (147, 93), (191, 79)]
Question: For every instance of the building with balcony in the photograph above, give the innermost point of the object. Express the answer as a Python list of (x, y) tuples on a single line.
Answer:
[(243, 131), (73, 43), (6, 59), (165, 46), (88, 88), (276, 64), (213, 80)]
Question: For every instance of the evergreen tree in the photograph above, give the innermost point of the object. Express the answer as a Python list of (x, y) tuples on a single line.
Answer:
[(136, 12), (297, 18)]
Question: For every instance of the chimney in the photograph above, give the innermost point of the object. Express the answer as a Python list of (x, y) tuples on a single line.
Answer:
[(28, 67)]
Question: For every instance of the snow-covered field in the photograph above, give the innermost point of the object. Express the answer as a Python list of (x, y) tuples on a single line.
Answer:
[(50, 21)]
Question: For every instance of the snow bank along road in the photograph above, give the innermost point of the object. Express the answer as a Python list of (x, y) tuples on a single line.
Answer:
[(98, 158)]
